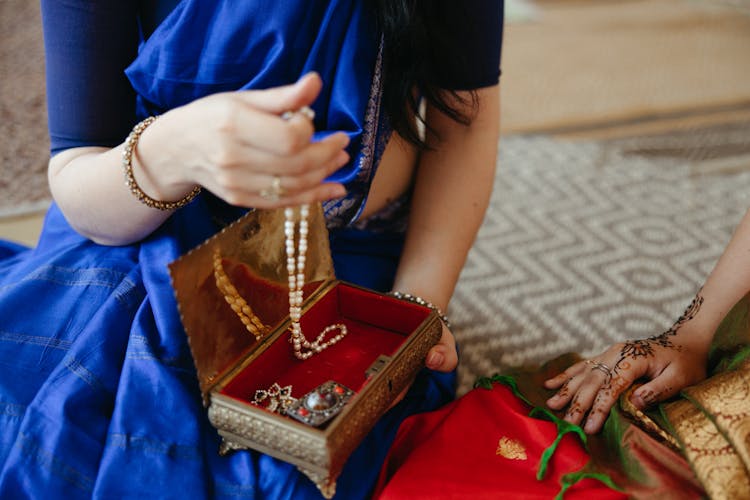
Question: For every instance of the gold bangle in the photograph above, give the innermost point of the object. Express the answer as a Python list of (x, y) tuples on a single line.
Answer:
[(127, 163), (419, 300)]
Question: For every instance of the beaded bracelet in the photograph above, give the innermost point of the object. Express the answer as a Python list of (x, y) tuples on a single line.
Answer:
[(419, 300), (127, 164)]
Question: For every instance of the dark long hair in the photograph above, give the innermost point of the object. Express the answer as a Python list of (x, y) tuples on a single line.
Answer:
[(421, 60)]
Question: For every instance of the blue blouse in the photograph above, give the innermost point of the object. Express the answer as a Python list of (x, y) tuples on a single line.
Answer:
[(110, 64), (89, 45)]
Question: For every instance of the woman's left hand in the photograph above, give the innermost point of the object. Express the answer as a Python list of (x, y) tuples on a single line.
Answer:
[(443, 356)]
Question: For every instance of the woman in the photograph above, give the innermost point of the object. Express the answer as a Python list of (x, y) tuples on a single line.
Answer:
[(98, 389)]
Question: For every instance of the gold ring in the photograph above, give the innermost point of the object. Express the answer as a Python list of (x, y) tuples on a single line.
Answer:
[(274, 191)]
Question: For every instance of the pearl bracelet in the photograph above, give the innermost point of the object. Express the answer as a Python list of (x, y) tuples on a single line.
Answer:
[(127, 163), (419, 300)]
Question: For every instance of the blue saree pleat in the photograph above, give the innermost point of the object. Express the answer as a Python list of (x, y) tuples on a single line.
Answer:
[(98, 393)]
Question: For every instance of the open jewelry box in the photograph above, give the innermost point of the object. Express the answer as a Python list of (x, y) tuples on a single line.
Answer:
[(351, 383)]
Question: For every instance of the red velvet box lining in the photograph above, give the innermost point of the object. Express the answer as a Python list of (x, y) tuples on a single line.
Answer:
[(377, 325)]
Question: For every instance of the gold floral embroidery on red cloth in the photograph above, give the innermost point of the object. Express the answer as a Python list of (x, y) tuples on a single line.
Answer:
[(511, 449)]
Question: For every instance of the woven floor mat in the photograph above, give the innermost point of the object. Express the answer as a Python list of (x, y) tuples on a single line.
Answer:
[(588, 243), (24, 146)]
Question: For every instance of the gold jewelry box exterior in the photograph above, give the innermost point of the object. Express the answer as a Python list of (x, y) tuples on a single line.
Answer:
[(222, 347)]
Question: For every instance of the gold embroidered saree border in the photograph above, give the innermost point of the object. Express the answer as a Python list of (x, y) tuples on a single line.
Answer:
[(725, 398), (645, 422), (714, 460)]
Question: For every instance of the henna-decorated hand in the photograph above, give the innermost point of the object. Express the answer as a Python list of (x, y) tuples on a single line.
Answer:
[(673, 360)]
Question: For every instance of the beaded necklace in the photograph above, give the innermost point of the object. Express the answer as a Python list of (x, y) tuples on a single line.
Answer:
[(295, 266)]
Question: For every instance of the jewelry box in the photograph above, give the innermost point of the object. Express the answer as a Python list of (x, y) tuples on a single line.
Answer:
[(313, 412)]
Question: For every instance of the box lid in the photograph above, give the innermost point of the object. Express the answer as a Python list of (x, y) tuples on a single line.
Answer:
[(251, 253)]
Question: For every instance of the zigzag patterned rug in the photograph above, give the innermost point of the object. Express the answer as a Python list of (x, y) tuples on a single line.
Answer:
[(586, 244)]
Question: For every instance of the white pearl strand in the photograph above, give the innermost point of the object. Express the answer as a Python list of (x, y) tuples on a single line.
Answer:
[(295, 266)]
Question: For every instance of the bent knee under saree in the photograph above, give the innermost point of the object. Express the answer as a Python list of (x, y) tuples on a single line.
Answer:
[(98, 393)]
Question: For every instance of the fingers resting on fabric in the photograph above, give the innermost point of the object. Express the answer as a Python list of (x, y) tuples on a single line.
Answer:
[(588, 389)]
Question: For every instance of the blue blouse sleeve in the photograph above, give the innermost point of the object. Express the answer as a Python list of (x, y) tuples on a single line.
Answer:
[(475, 29), (88, 45)]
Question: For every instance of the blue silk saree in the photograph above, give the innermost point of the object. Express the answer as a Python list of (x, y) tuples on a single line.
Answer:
[(98, 393)]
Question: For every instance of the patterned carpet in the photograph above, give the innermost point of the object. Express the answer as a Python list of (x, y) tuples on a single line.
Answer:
[(588, 243)]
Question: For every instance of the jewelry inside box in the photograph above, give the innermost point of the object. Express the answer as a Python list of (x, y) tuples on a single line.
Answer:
[(314, 408)]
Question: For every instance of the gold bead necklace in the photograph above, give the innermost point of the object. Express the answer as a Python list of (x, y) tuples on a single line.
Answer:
[(239, 305)]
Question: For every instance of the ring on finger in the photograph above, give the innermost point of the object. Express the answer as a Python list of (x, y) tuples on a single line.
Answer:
[(274, 191), (305, 111), (595, 365)]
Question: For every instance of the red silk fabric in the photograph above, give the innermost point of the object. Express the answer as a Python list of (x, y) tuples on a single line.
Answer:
[(481, 446)]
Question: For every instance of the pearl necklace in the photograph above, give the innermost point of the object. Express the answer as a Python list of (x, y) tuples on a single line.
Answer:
[(295, 266)]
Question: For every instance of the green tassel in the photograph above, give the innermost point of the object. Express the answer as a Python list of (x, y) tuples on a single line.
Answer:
[(563, 428), (571, 479)]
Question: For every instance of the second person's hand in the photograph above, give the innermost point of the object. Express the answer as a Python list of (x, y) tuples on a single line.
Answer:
[(589, 388)]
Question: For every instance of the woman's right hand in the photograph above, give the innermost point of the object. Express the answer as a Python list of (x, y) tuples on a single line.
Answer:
[(589, 388), (236, 143)]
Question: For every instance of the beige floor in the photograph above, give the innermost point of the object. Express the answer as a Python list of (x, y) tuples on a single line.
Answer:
[(598, 61), (22, 229)]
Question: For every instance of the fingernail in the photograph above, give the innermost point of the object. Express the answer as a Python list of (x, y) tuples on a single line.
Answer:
[(637, 396), (342, 158), (435, 359), (590, 426), (338, 192), (307, 75)]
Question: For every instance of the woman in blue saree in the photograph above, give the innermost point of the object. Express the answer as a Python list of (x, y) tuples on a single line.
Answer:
[(98, 394)]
